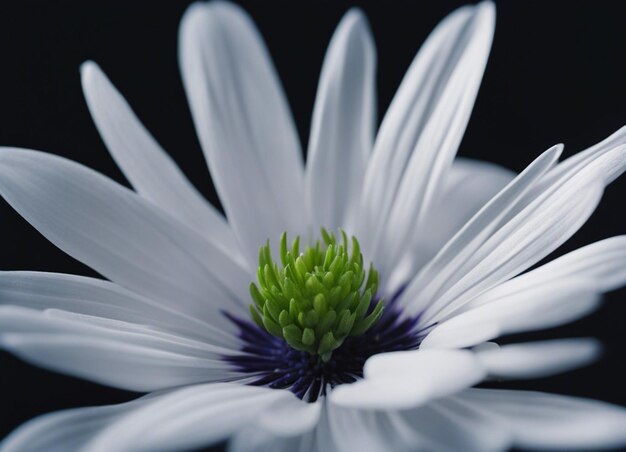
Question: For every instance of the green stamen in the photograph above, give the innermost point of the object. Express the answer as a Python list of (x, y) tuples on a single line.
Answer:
[(317, 298)]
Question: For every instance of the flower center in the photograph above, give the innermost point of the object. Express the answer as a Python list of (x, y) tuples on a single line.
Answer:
[(317, 298)]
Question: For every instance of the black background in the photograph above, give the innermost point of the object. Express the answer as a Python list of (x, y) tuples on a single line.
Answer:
[(556, 74)]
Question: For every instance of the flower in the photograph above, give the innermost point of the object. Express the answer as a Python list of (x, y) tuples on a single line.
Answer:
[(316, 353)]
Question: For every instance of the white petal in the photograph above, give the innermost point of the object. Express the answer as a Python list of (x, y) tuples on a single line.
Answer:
[(188, 418), (533, 233), (601, 266), (582, 159), (536, 308), (408, 379), (421, 290), (539, 359), (469, 185), (361, 430), (343, 124), (65, 430), (547, 421), (243, 122), (147, 166), (120, 235), (20, 320), (423, 128), (291, 416), (450, 425), (128, 358), (95, 297), (257, 440), (509, 241)]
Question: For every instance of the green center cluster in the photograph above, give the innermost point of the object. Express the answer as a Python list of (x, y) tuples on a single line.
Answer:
[(317, 298)]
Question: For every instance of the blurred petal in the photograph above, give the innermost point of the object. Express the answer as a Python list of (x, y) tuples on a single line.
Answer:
[(539, 359), (548, 421), (343, 124), (188, 418), (66, 430), (450, 425), (258, 440), (533, 309), (291, 416), (243, 122), (408, 379)]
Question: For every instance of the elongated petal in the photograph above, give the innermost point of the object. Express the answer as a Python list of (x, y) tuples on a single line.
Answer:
[(548, 421), (104, 299), (65, 430), (423, 128), (363, 430), (291, 416), (530, 235), (520, 244), (533, 309), (146, 165), (258, 440), (343, 123), (120, 235), (582, 159), (243, 122), (601, 266), (188, 418), (119, 355), (441, 290), (408, 379), (421, 290), (539, 359), (450, 425), (469, 185)]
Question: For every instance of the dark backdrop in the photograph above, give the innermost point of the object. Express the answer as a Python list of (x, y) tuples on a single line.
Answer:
[(556, 74)]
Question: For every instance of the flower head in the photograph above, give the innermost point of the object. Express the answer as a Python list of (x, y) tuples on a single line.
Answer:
[(339, 344), (318, 298)]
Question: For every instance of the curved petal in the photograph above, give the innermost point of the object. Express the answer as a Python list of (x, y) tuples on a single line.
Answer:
[(362, 430), (343, 124), (152, 172), (450, 425), (531, 233), (533, 309), (601, 266), (66, 430), (117, 354), (103, 299), (401, 380), (244, 124), (291, 416), (188, 418), (469, 185), (548, 421), (462, 269), (257, 440), (422, 129), (539, 359), (123, 237), (465, 242)]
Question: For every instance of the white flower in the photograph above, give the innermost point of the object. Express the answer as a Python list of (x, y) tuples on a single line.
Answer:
[(449, 238)]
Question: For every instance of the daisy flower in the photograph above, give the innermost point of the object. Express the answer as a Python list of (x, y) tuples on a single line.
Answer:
[(346, 304)]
